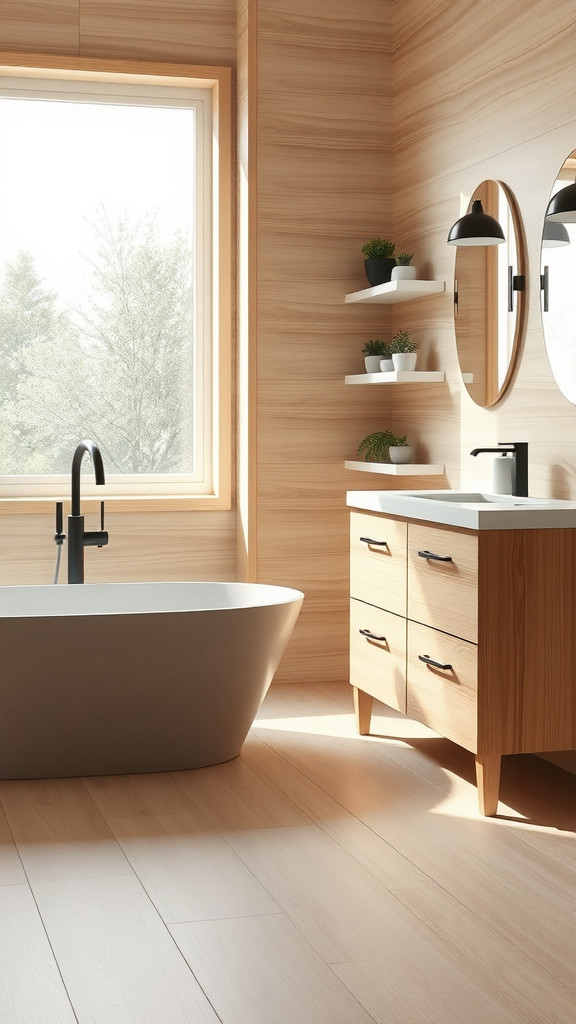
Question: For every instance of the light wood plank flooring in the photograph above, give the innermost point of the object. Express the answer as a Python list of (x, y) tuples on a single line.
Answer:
[(319, 878)]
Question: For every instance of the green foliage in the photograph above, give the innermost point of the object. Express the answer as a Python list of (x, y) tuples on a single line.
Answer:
[(402, 342), (378, 249), (27, 315), (118, 369), (35, 338), (403, 259), (375, 446), (140, 326), (377, 348)]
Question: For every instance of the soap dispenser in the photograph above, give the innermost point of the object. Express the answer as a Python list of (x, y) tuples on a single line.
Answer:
[(502, 473)]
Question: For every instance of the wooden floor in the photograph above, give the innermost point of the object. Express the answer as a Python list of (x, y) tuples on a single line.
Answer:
[(319, 878)]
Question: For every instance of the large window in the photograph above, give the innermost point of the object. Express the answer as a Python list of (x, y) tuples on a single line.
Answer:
[(110, 310)]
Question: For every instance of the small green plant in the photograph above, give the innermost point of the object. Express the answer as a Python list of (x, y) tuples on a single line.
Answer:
[(379, 249), (376, 446), (403, 259), (377, 348), (402, 342)]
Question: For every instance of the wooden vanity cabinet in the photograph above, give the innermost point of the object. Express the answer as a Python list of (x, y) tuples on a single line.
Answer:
[(472, 633)]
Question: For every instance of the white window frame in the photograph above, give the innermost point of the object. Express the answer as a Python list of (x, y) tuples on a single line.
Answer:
[(209, 88)]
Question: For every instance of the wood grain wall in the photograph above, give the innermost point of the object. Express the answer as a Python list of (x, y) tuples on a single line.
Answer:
[(149, 545), (482, 91), (190, 31), (320, 149)]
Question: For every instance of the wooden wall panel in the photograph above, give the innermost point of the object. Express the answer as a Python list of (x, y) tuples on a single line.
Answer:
[(176, 30), (303, 548), (143, 546), (166, 546), (247, 319), (323, 188), (482, 92), (40, 26)]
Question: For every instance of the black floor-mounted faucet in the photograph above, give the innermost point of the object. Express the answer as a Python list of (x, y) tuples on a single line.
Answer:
[(519, 450), (78, 539)]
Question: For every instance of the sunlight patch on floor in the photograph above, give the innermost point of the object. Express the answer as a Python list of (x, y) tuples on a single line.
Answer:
[(317, 725), (383, 730), (466, 807), (398, 727)]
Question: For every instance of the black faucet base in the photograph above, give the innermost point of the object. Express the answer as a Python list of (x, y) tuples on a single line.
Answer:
[(519, 450)]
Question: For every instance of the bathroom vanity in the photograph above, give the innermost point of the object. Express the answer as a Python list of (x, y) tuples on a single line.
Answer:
[(469, 629)]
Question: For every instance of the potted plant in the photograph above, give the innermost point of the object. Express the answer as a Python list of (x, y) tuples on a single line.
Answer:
[(383, 445), (401, 453), (379, 262), (403, 271), (403, 351), (386, 364), (374, 352)]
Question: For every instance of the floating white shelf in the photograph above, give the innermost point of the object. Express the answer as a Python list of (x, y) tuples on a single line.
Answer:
[(396, 377), (395, 470), (397, 291)]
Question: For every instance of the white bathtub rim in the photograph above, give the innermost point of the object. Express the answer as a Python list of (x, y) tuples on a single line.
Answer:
[(140, 598)]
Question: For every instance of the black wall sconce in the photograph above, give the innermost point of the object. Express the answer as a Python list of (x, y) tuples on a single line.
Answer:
[(476, 228), (516, 283)]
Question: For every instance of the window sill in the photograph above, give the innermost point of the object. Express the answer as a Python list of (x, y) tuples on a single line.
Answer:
[(138, 503)]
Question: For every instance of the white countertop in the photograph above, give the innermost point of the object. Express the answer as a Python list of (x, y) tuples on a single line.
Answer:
[(470, 510)]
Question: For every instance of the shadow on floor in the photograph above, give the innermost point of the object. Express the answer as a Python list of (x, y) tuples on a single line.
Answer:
[(539, 791)]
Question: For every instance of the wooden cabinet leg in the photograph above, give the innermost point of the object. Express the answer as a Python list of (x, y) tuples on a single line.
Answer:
[(363, 710), (488, 782)]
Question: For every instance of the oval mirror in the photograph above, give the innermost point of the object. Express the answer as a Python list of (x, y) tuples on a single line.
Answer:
[(558, 274), (490, 299)]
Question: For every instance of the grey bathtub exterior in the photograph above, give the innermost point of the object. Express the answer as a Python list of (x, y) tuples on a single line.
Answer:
[(110, 679)]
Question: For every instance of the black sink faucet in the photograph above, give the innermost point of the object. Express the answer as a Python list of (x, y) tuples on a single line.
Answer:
[(78, 539), (519, 450)]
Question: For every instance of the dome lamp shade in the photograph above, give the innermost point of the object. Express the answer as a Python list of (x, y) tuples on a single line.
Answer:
[(476, 228), (554, 235), (562, 207)]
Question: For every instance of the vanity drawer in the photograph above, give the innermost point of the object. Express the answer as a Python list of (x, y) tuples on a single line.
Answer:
[(444, 698), (443, 591), (378, 561), (378, 661)]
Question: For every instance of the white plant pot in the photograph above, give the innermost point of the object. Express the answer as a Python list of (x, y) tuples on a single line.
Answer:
[(403, 274), (400, 455), (404, 360), (372, 364), (386, 365)]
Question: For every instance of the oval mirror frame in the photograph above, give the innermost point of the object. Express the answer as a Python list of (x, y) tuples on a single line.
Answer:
[(490, 300), (557, 276)]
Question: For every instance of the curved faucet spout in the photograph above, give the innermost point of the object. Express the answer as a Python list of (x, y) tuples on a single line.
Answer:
[(78, 539), (519, 451), (94, 453)]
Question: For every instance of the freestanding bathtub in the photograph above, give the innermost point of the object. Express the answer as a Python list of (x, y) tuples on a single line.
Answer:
[(116, 678)]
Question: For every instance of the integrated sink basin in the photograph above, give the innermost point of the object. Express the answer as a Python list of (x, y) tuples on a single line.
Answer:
[(470, 509), (463, 498)]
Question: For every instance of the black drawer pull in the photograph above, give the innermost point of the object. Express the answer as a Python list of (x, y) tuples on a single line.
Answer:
[(428, 661), (376, 543), (437, 558), (369, 635)]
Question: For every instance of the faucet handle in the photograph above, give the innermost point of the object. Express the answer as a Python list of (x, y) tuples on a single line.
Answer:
[(59, 536), (96, 538), (102, 530)]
